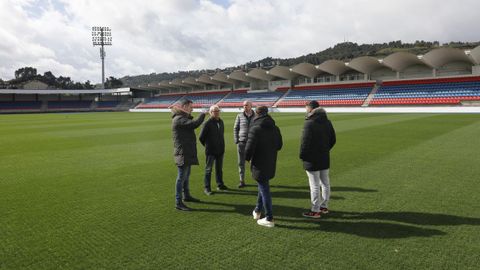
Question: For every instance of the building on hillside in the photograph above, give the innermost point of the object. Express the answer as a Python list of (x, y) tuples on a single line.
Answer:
[(34, 85)]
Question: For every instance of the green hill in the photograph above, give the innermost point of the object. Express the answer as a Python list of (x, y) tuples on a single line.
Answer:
[(343, 51)]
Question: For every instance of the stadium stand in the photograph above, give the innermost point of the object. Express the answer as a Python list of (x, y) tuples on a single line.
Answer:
[(159, 102), (206, 99), (20, 105), (445, 91), (236, 98), (107, 105), (69, 105), (328, 95)]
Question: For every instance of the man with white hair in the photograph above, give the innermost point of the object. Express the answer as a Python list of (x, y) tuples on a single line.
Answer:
[(212, 138), (240, 135)]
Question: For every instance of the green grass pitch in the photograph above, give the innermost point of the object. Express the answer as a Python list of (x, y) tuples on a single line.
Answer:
[(96, 191)]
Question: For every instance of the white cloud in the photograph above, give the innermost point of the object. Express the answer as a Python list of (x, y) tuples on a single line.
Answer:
[(171, 35)]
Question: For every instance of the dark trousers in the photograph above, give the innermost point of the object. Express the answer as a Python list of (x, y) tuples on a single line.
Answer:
[(218, 160), (264, 199), (182, 183)]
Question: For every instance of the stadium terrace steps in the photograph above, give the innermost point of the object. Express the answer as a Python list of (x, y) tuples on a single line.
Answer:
[(20, 106), (282, 97), (371, 95), (445, 91), (160, 102), (438, 91), (236, 99), (201, 100), (58, 106), (107, 105), (69, 105), (328, 95), (226, 96)]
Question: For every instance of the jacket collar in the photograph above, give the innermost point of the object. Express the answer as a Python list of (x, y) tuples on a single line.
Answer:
[(317, 113)]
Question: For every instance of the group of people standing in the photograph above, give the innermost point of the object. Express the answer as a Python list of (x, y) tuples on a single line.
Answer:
[(258, 140)]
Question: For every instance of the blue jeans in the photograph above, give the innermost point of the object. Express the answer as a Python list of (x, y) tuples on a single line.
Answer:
[(264, 199), (218, 170), (182, 183)]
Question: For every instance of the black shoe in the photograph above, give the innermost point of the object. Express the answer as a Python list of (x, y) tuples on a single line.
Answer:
[(208, 192), (242, 185), (191, 199), (222, 188), (182, 207)]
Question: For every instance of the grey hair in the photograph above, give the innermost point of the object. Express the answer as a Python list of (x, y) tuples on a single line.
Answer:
[(213, 107)]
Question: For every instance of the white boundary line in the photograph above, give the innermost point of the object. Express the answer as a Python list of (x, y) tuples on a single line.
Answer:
[(451, 109)]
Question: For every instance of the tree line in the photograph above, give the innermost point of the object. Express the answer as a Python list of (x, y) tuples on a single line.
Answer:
[(26, 74)]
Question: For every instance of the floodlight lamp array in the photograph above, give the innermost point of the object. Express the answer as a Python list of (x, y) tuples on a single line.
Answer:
[(101, 36)]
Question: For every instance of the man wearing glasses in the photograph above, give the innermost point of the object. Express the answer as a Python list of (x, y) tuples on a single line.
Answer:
[(240, 135), (212, 138)]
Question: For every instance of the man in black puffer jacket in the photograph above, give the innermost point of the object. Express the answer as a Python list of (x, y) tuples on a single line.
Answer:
[(212, 138), (318, 138), (264, 141), (184, 150)]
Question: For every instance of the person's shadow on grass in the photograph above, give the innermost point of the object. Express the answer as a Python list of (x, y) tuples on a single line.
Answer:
[(333, 188), (288, 194), (369, 224), (416, 218), (380, 224)]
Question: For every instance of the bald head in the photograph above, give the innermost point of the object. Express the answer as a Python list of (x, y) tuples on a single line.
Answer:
[(247, 107)]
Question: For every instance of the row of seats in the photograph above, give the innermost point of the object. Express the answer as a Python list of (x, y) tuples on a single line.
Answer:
[(349, 95), (57, 105), (404, 92), (325, 103), (20, 105), (236, 99), (205, 100), (441, 91), (415, 101), (69, 104), (107, 105)]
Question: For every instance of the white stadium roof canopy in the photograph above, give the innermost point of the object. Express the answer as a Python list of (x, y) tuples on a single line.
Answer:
[(397, 62)]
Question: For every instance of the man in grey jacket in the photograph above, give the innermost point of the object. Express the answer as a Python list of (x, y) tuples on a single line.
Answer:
[(184, 150), (240, 136)]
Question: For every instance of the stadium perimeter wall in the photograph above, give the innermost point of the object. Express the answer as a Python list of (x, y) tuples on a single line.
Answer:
[(451, 109)]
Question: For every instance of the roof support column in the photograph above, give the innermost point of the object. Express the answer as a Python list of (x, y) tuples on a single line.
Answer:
[(476, 70), (398, 74), (337, 78), (365, 77), (434, 72)]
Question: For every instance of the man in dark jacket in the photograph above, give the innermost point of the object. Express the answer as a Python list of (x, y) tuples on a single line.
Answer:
[(212, 138), (318, 139), (184, 149), (264, 141)]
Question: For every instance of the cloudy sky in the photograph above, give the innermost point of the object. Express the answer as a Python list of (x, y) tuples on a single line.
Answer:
[(171, 35)]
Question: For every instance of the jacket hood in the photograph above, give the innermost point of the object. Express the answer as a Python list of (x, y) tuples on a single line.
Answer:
[(317, 114), (265, 121)]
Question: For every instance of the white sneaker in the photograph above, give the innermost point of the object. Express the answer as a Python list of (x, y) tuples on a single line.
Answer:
[(256, 215), (266, 223)]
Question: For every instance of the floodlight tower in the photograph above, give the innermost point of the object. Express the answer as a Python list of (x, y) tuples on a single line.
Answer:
[(102, 36)]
